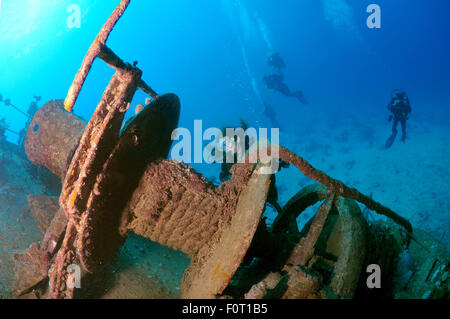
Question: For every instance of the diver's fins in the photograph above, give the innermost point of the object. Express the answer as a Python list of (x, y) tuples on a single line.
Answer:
[(301, 97), (390, 140)]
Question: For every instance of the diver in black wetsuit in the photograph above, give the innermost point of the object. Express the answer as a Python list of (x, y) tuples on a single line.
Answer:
[(275, 81), (400, 108), (275, 61), (231, 147), (272, 196)]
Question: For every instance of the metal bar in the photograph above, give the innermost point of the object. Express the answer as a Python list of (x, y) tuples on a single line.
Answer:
[(340, 188), (114, 61), (18, 109), (147, 89), (9, 130), (93, 52)]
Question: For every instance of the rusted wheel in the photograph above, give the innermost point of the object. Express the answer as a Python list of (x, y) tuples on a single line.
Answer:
[(145, 139), (328, 257), (212, 269)]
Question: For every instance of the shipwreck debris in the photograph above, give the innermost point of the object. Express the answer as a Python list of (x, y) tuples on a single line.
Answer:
[(44, 210), (117, 180), (53, 136)]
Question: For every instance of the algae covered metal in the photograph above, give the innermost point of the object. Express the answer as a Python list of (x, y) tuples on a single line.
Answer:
[(117, 180)]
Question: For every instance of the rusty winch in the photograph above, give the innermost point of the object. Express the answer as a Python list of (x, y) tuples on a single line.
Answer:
[(117, 180)]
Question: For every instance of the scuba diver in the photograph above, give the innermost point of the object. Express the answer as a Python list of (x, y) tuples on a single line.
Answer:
[(275, 61), (400, 108), (275, 82), (231, 146)]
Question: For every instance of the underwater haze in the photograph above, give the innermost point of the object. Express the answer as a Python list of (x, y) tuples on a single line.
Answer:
[(214, 56)]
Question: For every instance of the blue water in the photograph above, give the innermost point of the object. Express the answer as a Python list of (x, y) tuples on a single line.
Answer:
[(211, 52), (213, 55)]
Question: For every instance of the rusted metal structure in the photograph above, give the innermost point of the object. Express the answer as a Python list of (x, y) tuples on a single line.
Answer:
[(117, 180)]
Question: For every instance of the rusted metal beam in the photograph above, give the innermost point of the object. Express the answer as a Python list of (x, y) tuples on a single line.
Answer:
[(94, 51), (340, 188), (114, 61), (309, 242)]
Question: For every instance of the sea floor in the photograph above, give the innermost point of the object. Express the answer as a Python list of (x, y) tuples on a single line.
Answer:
[(17, 226), (412, 178)]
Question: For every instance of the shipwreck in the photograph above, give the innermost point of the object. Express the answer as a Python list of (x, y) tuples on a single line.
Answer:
[(116, 179)]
